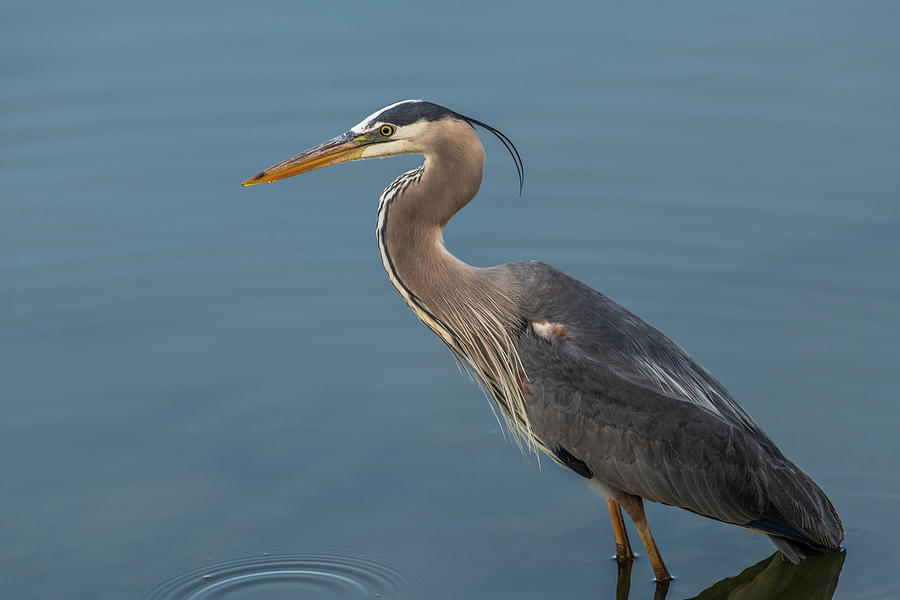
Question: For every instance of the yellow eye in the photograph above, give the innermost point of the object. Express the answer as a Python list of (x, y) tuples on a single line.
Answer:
[(387, 130)]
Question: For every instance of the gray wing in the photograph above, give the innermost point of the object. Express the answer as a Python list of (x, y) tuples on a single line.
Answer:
[(601, 331), (612, 392)]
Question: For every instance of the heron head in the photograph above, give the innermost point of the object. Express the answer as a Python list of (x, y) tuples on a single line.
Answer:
[(406, 127)]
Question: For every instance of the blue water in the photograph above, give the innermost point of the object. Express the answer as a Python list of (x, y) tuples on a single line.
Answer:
[(193, 371)]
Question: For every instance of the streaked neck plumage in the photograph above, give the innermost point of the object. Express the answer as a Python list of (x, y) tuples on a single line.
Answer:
[(473, 310), (412, 213)]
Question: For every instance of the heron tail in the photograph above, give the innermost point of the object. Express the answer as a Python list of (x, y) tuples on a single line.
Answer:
[(799, 517)]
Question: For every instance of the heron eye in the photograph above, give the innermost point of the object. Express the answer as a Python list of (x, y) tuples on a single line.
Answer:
[(387, 130)]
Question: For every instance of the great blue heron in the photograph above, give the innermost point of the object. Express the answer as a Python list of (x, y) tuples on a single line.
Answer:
[(574, 374)]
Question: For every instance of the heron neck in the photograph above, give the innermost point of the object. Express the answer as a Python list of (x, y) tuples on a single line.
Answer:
[(471, 309), (411, 218), (412, 223)]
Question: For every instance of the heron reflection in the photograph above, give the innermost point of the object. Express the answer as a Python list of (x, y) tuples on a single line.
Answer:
[(815, 578)]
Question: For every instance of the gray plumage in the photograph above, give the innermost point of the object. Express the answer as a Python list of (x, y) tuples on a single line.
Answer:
[(595, 393), (574, 374)]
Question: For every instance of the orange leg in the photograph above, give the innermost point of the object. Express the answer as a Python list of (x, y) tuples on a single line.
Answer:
[(634, 506), (623, 546)]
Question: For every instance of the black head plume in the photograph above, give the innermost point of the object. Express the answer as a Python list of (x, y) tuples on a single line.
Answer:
[(510, 147), (406, 113)]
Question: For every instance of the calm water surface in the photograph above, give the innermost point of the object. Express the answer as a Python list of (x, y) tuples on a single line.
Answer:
[(214, 392)]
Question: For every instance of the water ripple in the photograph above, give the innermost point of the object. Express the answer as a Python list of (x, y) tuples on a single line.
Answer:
[(279, 574)]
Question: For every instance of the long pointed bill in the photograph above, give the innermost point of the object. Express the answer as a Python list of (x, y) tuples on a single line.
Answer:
[(340, 149)]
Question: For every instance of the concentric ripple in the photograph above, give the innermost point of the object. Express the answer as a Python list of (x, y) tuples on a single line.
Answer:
[(264, 575)]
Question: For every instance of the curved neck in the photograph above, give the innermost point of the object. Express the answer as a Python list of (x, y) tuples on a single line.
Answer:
[(471, 309), (415, 208)]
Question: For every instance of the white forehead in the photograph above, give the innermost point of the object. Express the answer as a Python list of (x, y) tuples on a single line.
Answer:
[(369, 121)]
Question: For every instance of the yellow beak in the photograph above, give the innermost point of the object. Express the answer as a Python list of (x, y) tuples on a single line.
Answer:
[(348, 146)]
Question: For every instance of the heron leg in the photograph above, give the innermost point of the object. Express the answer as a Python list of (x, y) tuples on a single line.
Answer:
[(634, 506), (623, 546)]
